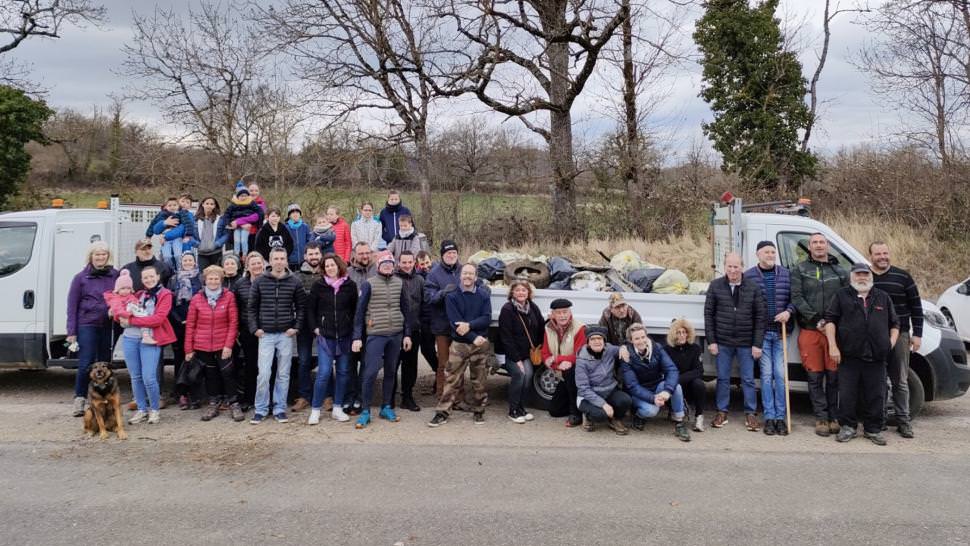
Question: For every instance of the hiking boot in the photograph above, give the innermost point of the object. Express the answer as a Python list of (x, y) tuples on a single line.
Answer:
[(328, 403), (300, 405), (845, 434), (339, 415), (387, 412), (769, 427), (699, 423), (439, 419), (138, 417), (314, 418), (211, 411), (257, 419), (618, 427), (905, 430), (153, 417), (574, 421), (79, 403), (638, 423), (363, 420), (680, 429), (184, 402), (751, 422), (238, 415), (720, 419), (515, 417), (588, 425), (822, 428), (876, 438), (478, 418), (281, 417), (409, 404), (781, 427), (834, 427)]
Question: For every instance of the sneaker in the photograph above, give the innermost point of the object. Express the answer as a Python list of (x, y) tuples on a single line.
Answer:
[(184, 402), (638, 423), (876, 438), (699, 423), (387, 412), (834, 427), (281, 417), (846, 433), (363, 420), (257, 419), (822, 428), (339, 415), (573, 421), (409, 404), (781, 427), (300, 405), (680, 429), (153, 417), (211, 411), (720, 419), (79, 402), (138, 417), (769, 429), (439, 419), (328, 403), (618, 427), (478, 418), (237, 412), (905, 430), (588, 425), (525, 414), (314, 418), (751, 422), (516, 417)]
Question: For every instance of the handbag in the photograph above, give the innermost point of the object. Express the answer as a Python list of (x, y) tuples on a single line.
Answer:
[(535, 353)]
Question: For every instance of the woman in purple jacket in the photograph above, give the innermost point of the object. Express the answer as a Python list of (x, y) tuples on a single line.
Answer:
[(88, 324)]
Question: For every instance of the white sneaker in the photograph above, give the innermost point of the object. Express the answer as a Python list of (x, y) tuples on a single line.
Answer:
[(338, 414), (517, 418), (314, 418), (528, 416), (699, 423), (138, 417), (153, 417), (79, 403)]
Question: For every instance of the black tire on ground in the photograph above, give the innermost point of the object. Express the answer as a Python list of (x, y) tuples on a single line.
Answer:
[(917, 394), (536, 272), (544, 383)]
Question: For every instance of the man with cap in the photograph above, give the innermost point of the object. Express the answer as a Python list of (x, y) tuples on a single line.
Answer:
[(441, 281), (143, 259), (775, 283), (564, 337), (599, 396), (382, 311), (734, 325), (814, 283), (617, 317), (862, 327), (469, 312)]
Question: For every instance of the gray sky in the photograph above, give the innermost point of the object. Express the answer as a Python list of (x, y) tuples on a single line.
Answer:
[(78, 70)]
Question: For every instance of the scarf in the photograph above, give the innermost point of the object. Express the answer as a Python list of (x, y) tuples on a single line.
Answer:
[(294, 225), (335, 282), (404, 234), (522, 308), (183, 291), (212, 296), (149, 295), (645, 356)]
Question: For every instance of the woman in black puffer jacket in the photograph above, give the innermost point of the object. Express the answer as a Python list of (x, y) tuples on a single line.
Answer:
[(686, 354), (521, 328)]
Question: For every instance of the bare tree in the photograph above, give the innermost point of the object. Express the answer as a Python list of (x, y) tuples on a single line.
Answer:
[(525, 57), (23, 19), (198, 70), (368, 58)]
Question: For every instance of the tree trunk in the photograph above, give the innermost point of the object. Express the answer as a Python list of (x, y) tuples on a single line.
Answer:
[(424, 183), (631, 167)]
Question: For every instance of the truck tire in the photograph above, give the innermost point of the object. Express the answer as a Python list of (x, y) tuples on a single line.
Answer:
[(535, 272), (544, 383), (917, 394)]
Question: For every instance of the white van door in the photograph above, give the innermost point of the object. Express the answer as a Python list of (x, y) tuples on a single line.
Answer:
[(71, 243), (23, 340)]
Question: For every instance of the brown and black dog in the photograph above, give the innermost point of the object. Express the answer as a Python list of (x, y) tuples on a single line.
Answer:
[(103, 413)]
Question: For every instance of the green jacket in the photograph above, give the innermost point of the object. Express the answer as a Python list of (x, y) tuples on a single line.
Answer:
[(813, 286)]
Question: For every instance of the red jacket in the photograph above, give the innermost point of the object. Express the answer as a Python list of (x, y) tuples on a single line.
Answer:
[(161, 328), (342, 246), (211, 329)]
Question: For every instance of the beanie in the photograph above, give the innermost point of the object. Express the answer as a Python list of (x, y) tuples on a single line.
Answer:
[(124, 280)]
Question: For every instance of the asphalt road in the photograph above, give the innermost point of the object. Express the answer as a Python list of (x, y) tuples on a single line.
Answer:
[(188, 482)]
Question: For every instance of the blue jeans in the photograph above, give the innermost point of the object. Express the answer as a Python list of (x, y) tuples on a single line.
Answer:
[(773, 376), (172, 251), (281, 345), (520, 381), (646, 409), (142, 362), (240, 241), (323, 386), (94, 345), (381, 351), (722, 394)]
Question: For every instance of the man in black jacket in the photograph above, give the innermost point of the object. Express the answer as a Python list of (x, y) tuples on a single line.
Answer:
[(862, 328), (277, 303), (734, 323), (414, 289)]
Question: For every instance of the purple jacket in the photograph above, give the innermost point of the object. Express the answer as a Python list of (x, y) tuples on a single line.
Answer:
[(85, 299), (782, 294)]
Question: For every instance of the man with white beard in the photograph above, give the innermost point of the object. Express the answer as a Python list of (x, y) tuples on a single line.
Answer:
[(862, 327)]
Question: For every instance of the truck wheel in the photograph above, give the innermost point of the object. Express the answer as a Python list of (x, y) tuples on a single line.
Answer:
[(544, 383), (917, 394)]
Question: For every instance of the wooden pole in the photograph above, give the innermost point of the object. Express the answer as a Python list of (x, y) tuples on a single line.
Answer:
[(784, 349)]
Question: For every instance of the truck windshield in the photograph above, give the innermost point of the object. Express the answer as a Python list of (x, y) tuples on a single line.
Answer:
[(793, 248), (16, 246)]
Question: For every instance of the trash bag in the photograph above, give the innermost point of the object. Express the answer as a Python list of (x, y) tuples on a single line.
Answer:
[(491, 269), (627, 261), (588, 281), (644, 278), (698, 288), (560, 269), (560, 285), (673, 281), (481, 256)]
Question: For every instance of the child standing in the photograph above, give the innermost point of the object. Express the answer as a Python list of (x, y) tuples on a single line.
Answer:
[(122, 302), (299, 232), (323, 234), (272, 234), (242, 215)]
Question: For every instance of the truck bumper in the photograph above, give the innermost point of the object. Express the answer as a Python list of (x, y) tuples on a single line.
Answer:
[(949, 364), (23, 351)]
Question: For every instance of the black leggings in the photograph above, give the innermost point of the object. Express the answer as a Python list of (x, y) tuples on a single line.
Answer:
[(220, 376), (695, 392), (409, 372), (248, 369), (620, 401)]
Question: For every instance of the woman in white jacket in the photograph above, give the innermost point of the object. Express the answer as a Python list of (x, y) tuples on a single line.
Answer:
[(366, 228)]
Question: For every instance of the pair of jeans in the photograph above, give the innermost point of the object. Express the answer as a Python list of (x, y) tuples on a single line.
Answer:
[(772, 364), (862, 388), (304, 357), (142, 363), (899, 377), (220, 376), (240, 241), (380, 352), (94, 345), (172, 252), (280, 345), (323, 386), (646, 409), (520, 381), (722, 394), (620, 401)]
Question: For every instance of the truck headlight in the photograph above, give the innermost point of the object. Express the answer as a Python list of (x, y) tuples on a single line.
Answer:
[(936, 319)]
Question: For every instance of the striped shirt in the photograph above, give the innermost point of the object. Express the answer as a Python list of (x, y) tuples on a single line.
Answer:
[(905, 295)]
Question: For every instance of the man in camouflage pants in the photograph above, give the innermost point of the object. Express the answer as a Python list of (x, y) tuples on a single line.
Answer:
[(469, 312)]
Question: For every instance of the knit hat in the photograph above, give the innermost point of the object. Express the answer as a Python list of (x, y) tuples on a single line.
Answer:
[(293, 207), (560, 303), (447, 245), (385, 257), (595, 330), (241, 188), (763, 244), (124, 280)]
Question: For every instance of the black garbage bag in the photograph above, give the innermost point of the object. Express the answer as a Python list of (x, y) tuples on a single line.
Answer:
[(491, 269), (560, 269), (560, 285), (643, 278)]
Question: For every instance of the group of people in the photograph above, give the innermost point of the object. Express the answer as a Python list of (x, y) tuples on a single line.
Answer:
[(368, 296)]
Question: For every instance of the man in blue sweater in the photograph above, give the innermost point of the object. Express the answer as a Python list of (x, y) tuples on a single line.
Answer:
[(469, 312)]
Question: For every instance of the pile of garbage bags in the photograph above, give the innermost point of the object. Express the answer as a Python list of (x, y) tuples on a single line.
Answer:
[(627, 272)]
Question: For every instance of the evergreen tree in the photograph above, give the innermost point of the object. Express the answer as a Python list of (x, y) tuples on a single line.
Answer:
[(21, 120)]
